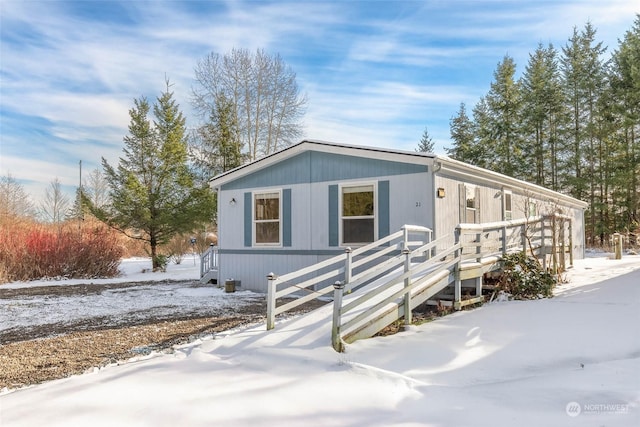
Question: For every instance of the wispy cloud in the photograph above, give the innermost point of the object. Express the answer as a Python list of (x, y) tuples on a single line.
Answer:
[(376, 73)]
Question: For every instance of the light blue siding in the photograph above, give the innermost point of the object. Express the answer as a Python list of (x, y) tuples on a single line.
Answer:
[(383, 209), (311, 166)]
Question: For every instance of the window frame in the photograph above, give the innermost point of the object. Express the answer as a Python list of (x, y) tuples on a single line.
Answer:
[(533, 209), (254, 221), (341, 217), (507, 214), (470, 188)]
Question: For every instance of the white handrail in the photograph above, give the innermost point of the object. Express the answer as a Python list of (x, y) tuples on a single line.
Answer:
[(343, 269), (433, 269)]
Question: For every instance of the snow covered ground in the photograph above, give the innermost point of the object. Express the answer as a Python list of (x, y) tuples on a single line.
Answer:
[(131, 270), (163, 295), (573, 360)]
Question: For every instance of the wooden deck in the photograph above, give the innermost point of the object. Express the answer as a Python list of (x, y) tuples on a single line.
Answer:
[(382, 282)]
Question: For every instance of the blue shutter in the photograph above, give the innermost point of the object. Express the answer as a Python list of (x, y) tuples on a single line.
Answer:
[(383, 209), (248, 219), (333, 216), (286, 217)]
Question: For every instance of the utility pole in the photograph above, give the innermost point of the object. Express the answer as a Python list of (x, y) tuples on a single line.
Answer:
[(81, 212)]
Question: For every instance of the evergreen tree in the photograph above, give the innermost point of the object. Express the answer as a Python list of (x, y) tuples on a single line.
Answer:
[(625, 94), (504, 108), (461, 128), (426, 144), (584, 81), (216, 147), (543, 115), (152, 190), (482, 152)]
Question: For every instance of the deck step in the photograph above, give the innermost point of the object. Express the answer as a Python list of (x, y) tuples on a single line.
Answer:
[(210, 276)]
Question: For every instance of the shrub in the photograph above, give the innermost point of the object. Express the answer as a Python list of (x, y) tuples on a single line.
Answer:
[(523, 278), (31, 251), (177, 247)]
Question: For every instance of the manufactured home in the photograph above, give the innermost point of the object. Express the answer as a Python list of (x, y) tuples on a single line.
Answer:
[(312, 200)]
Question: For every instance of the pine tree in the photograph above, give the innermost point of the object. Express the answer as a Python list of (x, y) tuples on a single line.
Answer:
[(152, 190), (583, 72), (543, 115), (426, 144), (625, 90), (216, 147), (483, 152), (504, 109), (461, 128)]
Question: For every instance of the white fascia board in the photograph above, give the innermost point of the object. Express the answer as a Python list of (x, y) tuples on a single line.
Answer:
[(477, 174)]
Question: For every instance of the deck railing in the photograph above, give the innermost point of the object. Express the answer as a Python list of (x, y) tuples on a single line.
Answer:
[(353, 268), (547, 237), (209, 261), (476, 250)]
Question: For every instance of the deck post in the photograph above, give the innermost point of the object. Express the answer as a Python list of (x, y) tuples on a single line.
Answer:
[(407, 282), (347, 266), (563, 267), (523, 236), (504, 240), (271, 301), (405, 237), (457, 284), (571, 243), (336, 340), (543, 249), (617, 245), (554, 246)]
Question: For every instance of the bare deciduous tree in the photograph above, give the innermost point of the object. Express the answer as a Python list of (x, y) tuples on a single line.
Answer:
[(56, 203), (96, 188), (14, 201), (264, 93)]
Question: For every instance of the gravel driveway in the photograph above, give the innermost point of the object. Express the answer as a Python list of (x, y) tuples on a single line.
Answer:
[(50, 332), (43, 311)]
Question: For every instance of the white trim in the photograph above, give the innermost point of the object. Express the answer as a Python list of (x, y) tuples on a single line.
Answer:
[(341, 186), (462, 171), (504, 204), (253, 217), (471, 189)]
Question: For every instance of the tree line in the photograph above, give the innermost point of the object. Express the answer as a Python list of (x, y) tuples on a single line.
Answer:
[(571, 123), (250, 106)]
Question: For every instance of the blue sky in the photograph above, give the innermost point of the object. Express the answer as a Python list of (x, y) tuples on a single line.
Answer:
[(375, 72)]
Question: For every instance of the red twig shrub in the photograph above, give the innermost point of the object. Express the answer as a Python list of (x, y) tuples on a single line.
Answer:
[(33, 251)]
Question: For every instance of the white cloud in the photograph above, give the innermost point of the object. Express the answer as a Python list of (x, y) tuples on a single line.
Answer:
[(372, 78)]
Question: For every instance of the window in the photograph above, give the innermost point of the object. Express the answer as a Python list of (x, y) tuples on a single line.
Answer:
[(267, 218), (533, 209), (508, 212), (471, 206), (358, 214)]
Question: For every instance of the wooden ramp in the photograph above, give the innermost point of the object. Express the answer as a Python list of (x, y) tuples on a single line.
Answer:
[(382, 282)]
